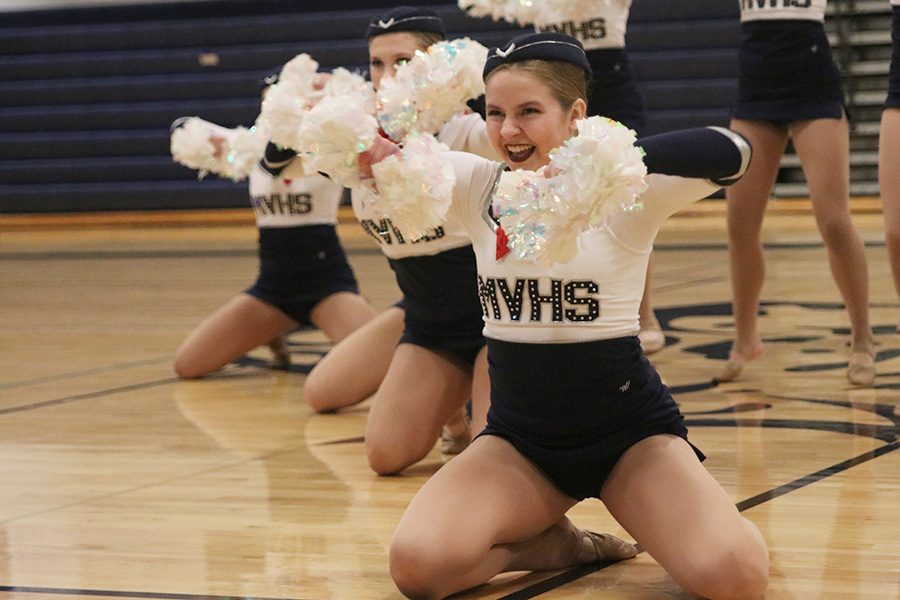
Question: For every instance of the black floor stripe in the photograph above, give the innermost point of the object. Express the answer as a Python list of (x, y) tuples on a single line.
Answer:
[(88, 395), (817, 476), (121, 594), (248, 252), (76, 374), (139, 254), (571, 575)]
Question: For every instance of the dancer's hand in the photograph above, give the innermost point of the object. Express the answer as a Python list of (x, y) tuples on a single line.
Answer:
[(380, 150)]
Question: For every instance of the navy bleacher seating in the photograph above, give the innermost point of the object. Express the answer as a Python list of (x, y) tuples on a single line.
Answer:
[(89, 93)]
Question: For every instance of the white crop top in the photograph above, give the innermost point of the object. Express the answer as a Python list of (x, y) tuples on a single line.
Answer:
[(593, 297), (286, 201), (605, 29), (759, 10), (466, 133)]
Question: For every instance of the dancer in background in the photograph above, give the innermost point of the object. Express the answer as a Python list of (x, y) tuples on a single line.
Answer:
[(439, 363), (889, 154), (304, 277), (789, 85)]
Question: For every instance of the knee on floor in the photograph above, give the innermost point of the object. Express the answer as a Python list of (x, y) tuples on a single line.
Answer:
[(732, 573), (418, 569)]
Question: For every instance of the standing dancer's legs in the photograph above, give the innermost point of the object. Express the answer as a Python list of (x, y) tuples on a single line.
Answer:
[(823, 146), (747, 200), (889, 181)]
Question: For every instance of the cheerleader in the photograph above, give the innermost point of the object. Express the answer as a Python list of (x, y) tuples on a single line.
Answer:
[(439, 363), (576, 409), (304, 277), (789, 85), (612, 92), (888, 151)]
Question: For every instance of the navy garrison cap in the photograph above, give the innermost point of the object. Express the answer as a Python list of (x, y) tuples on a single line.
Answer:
[(539, 46), (406, 18)]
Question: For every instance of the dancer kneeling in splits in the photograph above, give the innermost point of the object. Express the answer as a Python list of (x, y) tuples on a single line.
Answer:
[(562, 238)]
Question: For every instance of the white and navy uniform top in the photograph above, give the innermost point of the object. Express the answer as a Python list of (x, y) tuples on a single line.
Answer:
[(570, 387), (893, 97), (612, 90), (436, 273), (786, 70), (301, 259)]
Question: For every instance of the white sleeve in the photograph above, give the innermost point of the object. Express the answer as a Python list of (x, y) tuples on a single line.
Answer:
[(475, 179), (468, 133), (665, 195)]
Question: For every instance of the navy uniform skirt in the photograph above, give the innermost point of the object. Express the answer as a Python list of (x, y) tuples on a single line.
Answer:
[(612, 91), (787, 73), (299, 267), (574, 409), (440, 297), (893, 97)]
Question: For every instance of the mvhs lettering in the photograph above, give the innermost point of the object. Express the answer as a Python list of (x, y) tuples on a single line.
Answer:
[(386, 233), (276, 204), (595, 29), (570, 301), (750, 4)]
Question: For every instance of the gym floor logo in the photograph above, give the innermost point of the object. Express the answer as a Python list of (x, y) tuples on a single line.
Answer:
[(808, 345)]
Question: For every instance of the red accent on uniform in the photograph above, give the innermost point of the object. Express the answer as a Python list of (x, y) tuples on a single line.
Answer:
[(502, 243)]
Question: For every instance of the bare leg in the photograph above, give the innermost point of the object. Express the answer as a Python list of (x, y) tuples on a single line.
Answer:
[(889, 180), (421, 392), (341, 314), (241, 325), (673, 507), (747, 200), (481, 392), (481, 401), (487, 511), (355, 367), (828, 174), (651, 335)]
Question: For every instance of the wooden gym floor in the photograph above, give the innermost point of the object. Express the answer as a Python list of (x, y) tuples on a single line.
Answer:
[(117, 480)]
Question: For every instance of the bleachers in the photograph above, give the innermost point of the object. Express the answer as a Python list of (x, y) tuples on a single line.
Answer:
[(88, 94)]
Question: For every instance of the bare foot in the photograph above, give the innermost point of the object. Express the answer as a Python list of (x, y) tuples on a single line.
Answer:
[(456, 434), (563, 545), (861, 367), (737, 358), (281, 356)]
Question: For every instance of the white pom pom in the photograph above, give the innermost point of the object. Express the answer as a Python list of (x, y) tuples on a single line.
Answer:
[(191, 146), (597, 172), (286, 103), (415, 189), (235, 153), (244, 149), (282, 115), (428, 90), (298, 74), (334, 133)]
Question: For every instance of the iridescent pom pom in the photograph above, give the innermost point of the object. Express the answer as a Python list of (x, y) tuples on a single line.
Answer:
[(598, 172), (415, 189), (432, 87), (333, 135)]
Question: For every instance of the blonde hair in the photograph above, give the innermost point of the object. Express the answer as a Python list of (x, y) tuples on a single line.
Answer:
[(427, 38), (567, 82)]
